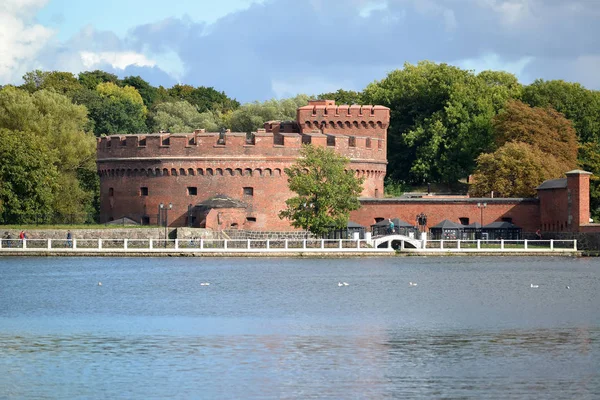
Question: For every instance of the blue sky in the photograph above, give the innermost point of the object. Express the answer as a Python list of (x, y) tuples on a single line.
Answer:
[(261, 49)]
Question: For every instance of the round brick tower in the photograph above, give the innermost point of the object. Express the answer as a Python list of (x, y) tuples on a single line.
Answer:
[(139, 172)]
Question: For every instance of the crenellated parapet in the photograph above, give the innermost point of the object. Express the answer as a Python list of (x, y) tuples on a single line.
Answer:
[(351, 120), (261, 144)]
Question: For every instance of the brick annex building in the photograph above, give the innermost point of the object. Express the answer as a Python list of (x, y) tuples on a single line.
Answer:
[(237, 181)]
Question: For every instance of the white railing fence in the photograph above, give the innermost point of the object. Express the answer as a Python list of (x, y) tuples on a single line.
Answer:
[(186, 245), (502, 244), (276, 245)]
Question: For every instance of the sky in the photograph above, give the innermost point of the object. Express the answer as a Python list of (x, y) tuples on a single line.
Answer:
[(262, 49)]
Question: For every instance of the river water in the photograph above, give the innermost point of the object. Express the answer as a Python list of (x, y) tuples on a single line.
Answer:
[(282, 328)]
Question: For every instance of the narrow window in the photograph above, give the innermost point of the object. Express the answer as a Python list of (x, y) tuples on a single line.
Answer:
[(192, 191), (143, 191), (368, 143), (251, 219), (248, 191), (111, 192), (352, 141)]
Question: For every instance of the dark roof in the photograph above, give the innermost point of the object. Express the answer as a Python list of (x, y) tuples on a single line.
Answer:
[(447, 224), (474, 225), (352, 224), (501, 225), (553, 184), (398, 223), (222, 201)]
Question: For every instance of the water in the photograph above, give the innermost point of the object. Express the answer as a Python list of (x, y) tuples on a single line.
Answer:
[(282, 328)]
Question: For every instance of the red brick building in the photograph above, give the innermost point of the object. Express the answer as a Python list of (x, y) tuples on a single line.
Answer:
[(139, 172), (235, 180)]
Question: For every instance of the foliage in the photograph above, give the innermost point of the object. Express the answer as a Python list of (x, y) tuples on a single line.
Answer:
[(61, 82), (440, 119), (325, 191), (118, 111), (91, 79), (514, 170), (544, 128), (181, 116), (117, 93), (53, 129), (342, 96), (252, 116), (580, 105), (204, 98), (148, 92), (589, 158), (393, 188), (27, 176)]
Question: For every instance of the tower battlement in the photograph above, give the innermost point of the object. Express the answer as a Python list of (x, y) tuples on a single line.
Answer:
[(352, 120)]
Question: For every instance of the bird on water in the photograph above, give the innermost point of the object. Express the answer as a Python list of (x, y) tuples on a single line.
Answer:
[(412, 284), (534, 286), (99, 283)]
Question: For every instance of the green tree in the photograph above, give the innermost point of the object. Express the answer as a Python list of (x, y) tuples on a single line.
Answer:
[(440, 119), (325, 191), (204, 98), (91, 79), (69, 151), (117, 111), (181, 116), (61, 82), (578, 104), (342, 96), (148, 92), (251, 116), (27, 177)]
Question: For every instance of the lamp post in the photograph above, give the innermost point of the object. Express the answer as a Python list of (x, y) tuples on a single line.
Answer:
[(481, 206), (165, 208)]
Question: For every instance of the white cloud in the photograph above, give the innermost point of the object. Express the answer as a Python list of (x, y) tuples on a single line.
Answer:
[(20, 39), (492, 61), (116, 59)]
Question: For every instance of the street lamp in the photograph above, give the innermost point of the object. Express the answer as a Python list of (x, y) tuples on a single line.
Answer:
[(481, 206), (163, 207)]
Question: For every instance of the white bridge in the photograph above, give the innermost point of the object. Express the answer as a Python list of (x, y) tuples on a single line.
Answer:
[(400, 242)]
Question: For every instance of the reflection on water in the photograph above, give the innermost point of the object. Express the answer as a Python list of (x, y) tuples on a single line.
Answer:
[(283, 329)]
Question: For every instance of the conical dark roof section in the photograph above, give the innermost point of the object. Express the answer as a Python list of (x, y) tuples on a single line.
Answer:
[(447, 224)]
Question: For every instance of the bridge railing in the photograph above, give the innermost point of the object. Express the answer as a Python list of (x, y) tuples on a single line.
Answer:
[(508, 245), (149, 245)]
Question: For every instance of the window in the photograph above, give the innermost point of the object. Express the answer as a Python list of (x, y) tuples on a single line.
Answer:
[(145, 220), (111, 192), (379, 219), (248, 191), (192, 191), (464, 221), (251, 219), (143, 191), (507, 219), (352, 141), (368, 143)]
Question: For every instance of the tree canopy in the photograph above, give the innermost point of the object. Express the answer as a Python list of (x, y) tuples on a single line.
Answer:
[(534, 144), (440, 118), (325, 191), (51, 129)]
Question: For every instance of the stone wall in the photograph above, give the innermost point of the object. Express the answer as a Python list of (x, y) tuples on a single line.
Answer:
[(112, 233)]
